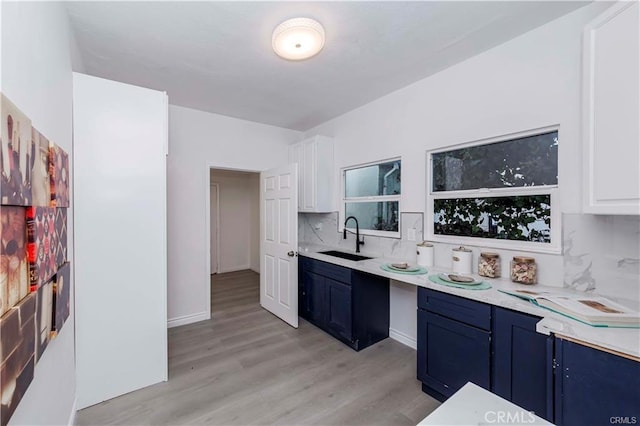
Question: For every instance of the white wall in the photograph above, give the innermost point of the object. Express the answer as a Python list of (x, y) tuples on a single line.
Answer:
[(529, 82), (36, 76), (198, 141), (236, 193)]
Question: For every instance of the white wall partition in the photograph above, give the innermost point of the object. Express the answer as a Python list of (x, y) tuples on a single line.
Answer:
[(120, 139)]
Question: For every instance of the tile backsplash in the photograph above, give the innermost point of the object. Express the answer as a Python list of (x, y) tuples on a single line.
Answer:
[(600, 253), (322, 228)]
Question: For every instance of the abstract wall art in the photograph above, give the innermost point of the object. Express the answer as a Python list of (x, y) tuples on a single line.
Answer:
[(42, 245), (61, 236), (17, 354), (61, 301), (17, 155), (14, 284), (35, 284), (59, 176), (40, 181)]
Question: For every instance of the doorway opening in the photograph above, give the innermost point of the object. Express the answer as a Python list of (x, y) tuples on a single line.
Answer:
[(234, 223)]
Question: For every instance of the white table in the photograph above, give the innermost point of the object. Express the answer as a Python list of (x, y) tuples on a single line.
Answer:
[(473, 405)]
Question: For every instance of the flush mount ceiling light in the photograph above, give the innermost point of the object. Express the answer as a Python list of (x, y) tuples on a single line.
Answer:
[(298, 38)]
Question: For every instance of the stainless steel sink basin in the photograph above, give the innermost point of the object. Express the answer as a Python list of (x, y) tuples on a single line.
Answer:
[(343, 255)]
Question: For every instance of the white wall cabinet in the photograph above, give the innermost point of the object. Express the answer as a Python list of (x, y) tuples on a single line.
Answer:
[(316, 181), (120, 149), (611, 112)]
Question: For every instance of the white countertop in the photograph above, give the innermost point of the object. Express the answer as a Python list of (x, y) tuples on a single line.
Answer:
[(624, 341), (473, 405)]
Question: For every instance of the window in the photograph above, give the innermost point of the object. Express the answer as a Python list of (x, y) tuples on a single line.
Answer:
[(371, 193), (497, 193)]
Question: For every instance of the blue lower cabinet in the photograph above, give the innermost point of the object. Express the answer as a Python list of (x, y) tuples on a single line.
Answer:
[(522, 362), (338, 308), (311, 294), (350, 305), (451, 352), (593, 387)]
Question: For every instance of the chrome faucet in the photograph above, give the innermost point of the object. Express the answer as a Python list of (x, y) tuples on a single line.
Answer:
[(344, 233)]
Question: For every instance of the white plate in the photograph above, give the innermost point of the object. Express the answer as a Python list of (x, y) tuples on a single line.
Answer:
[(409, 268), (445, 277)]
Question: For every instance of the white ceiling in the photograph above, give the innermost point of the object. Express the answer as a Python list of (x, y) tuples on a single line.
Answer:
[(217, 57)]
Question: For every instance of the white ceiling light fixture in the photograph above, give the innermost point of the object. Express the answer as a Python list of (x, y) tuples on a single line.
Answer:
[(298, 38)]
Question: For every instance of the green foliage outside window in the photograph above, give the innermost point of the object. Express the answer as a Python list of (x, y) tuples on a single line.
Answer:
[(523, 218)]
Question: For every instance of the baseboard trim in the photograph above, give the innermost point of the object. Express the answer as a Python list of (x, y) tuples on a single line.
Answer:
[(403, 338), (234, 269), (74, 410), (187, 319)]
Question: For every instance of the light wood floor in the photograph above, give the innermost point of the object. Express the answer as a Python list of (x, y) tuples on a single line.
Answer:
[(245, 366)]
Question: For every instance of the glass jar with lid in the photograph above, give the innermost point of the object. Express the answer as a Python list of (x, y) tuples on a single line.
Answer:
[(489, 265), (524, 270)]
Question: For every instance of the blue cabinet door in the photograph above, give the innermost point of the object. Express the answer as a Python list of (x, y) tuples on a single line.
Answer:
[(522, 367), (450, 354), (313, 292), (338, 308), (594, 387)]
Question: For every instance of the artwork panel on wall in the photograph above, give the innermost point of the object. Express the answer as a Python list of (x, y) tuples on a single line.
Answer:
[(14, 282), (16, 155), (40, 180), (61, 235), (59, 176), (42, 245), (44, 317), (61, 297), (17, 354)]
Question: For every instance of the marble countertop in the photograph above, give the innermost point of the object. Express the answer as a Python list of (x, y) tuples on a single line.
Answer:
[(473, 405), (623, 341)]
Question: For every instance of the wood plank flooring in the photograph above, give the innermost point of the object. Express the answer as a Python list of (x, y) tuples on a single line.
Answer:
[(246, 367)]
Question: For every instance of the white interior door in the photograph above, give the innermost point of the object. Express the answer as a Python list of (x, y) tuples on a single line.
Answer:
[(279, 242), (215, 227)]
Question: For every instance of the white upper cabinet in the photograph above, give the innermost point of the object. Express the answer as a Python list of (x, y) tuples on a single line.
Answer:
[(316, 182), (611, 112)]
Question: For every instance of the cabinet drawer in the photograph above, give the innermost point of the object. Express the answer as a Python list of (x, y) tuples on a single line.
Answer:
[(328, 270), (455, 307)]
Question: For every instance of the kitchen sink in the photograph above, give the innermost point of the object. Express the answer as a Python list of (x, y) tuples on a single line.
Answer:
[(343, 255)]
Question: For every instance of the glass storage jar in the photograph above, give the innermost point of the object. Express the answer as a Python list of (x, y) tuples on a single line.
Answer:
[(524, 270), (489, 265)]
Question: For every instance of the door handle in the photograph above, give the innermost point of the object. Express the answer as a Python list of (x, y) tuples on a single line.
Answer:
[(291, 253)]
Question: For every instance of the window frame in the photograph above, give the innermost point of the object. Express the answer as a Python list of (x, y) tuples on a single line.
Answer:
[(554, 247), (374, 199)]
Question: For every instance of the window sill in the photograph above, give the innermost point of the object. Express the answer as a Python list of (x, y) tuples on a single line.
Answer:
[(490, 243)]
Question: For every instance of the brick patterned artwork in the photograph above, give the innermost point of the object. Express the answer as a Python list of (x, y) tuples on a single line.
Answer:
[(17, 354), (59, 176), (41, 245), (14, 282), (61, 297), (61, 236), (17, 153), (35, 274), (44, 317), (40, 182)]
